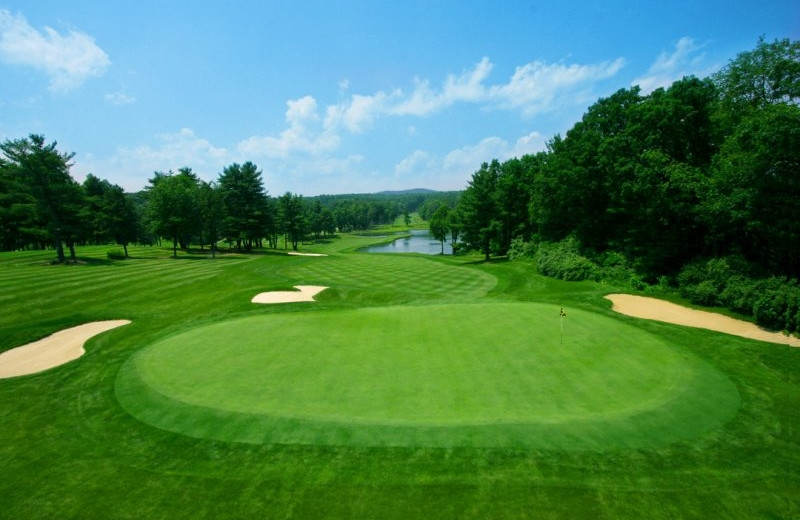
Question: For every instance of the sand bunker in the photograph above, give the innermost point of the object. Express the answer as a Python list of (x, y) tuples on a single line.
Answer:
[(295, 253), (304, 293), (660, 310), (52, 351)]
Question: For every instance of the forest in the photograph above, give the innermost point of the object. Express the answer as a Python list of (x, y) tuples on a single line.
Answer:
[(42, 206), (694, 187)]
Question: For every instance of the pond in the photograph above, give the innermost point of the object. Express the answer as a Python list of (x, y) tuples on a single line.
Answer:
[(420, 241)]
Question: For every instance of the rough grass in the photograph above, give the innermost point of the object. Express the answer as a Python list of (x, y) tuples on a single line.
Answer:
[(69, 450)]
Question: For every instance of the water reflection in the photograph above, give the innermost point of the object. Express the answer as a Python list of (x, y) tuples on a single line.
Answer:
[(420, 241)]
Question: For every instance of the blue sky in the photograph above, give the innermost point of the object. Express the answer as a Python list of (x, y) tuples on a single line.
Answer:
[(338, 96)]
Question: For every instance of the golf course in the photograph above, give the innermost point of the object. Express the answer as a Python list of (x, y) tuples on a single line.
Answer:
[(406, 386)]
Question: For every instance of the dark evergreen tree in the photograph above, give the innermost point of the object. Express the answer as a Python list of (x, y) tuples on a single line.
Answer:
[(244, 200), (293, 218), (43, 173)]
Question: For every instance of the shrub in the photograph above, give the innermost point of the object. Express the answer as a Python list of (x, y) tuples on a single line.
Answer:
[(691, 275), (662, 286), (774, 302), (739, 293), (705, 293), (707, 282), (615, 268), (777, 304), (563, 260), (115, 254), (521, 249), (637, 283)]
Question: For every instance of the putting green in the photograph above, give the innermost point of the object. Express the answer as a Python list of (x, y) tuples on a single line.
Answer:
[(493, 374)]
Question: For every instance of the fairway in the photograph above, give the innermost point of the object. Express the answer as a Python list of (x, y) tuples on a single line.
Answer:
[(493, 374), (409, 276), (412, 387)]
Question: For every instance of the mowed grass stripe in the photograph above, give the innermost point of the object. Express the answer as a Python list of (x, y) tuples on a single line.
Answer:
[(394, 273), (63, 296), (81, 281), (124, 270)]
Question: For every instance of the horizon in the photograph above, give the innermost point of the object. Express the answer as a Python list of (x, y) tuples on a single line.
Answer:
[(350, 98)]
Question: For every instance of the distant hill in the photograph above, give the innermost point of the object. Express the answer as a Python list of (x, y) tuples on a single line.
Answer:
[(412, 191)]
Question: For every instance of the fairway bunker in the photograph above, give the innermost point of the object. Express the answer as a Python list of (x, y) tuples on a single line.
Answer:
[(480, 375), (54, 350), (304, 293)]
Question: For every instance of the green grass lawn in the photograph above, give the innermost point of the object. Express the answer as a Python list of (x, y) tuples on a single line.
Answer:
[(416, 387), (446, 375)]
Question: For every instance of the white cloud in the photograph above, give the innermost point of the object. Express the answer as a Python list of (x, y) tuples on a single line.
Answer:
[(180, 149), (466, 87), (132, 167), (469, 85), (453, 170), (362, 111), (304, 134), (685, 60), (309, 150), (529, 144), (119, 98), (68, 60), (423, 101), (418, 161), (301, 111), (534, 88), (539, 87), (317, 175), (469, 158)]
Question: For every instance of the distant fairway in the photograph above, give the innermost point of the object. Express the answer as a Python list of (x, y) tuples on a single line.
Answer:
[(439, 375), (393, 274)]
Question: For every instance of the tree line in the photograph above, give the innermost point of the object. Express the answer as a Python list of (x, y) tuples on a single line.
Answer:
[(678, 186), (42, 206)]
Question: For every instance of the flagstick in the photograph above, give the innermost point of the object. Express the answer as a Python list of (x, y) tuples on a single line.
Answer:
[(562, 330)]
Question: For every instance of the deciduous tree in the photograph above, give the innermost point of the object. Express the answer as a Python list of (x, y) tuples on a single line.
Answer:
[(480, 210), (439, 224), (172, 205)]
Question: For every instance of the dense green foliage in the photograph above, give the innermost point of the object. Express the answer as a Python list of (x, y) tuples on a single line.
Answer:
[(70, 450), (41, 200), (700, 170), (42, 206)]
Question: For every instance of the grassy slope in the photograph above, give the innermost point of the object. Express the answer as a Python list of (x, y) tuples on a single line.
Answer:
[(68, 449)]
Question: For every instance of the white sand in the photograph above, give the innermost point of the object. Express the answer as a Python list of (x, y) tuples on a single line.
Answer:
[(52, 351), (660, 310), (295, 253), (304, 293)]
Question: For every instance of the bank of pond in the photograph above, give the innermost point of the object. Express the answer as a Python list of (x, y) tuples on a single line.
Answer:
[(419, 241)]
